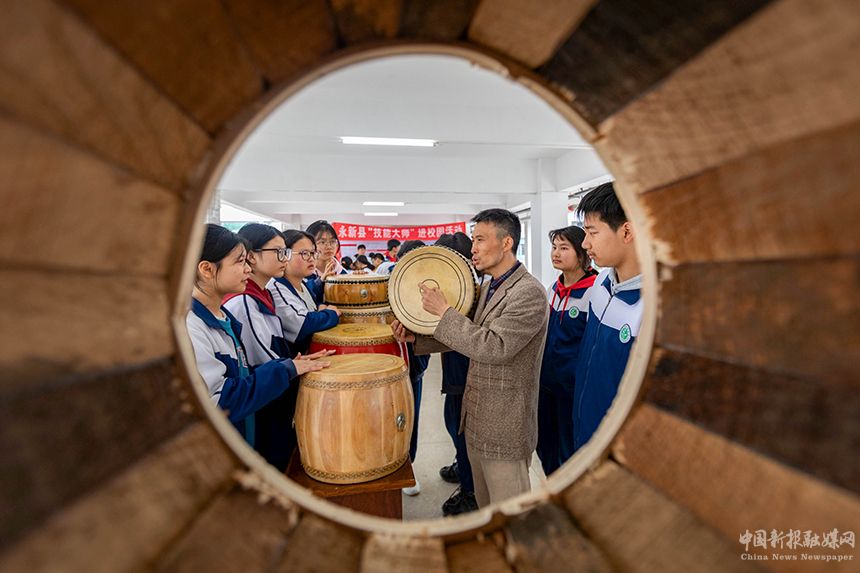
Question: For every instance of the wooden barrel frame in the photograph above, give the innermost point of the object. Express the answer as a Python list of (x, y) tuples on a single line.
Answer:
[(747, 414)]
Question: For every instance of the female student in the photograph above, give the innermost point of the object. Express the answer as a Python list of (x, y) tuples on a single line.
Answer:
[(295, 305), (568, 316), (216, 336), (328, 245)]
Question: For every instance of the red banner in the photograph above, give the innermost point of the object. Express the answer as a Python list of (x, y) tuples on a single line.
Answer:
[(349, 232)]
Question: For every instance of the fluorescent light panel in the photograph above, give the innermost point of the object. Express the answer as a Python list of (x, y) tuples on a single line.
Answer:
[(380, 214), (383, 203), (398, 141)]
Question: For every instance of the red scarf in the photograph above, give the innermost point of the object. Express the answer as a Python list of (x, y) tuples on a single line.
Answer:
[(563, 292), (254, 291)]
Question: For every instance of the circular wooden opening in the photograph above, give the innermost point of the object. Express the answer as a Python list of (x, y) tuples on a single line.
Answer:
[(269, 481)]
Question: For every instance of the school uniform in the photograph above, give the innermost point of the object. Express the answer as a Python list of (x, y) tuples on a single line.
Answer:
[(614, 319), (417, 366), (455, 366), (567, 321), (222, 362), (298, 314)]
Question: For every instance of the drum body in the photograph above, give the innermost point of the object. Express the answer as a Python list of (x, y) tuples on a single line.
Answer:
[(356, 338), (433, 266), (357, 290), (354, 419), (374, 315)]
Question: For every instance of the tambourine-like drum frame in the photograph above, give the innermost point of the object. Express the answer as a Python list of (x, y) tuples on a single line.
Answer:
[(463, 300)]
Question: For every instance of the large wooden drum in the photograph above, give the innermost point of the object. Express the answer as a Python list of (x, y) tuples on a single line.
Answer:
[(356, 290), (356, 338), (354, 419), (374, 314), (434, 266)]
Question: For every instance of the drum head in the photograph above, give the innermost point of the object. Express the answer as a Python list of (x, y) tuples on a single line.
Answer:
[(355, 334), (435, 266)]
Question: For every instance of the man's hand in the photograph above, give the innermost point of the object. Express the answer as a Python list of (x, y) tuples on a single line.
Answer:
[(433, 300), (400, 332)]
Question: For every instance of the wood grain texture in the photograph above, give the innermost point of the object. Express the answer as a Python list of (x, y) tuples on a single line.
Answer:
[(284, 37), (639, 529), (337, 549), (236, 532), (186, 47), (440, 20), (530, 32), (793, 317), (97, 425), (129, 520), (476, 557), (545, 539), (785, 73), (623, 48), (726, 485), (791, 200), (808, 423), (366, 20), (386, 553), (64, 324), (69, 210), (82, 90)]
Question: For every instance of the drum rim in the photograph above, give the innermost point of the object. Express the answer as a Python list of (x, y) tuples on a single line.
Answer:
[(336, 338), (324, 379), (398, 270), (351, 279)]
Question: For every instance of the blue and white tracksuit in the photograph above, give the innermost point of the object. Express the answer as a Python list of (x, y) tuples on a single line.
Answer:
[(568, 317), (298, 321), (614, 318), (223, 365)]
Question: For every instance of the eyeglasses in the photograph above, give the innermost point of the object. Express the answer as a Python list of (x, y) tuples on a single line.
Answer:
[(282, 254), (309, 256), (327, 242)]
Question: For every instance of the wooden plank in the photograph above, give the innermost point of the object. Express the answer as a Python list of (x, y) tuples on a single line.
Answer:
[(785, 73), (64, 323), (186, 47), (727, 486), (83, 91), (808, 423), (385, 553), (612, 506), (529, 32), (794, 317), (96, 425), (128, 521), (441, 20), (476, 557), (337, 549), (65, 209), (284, 37), (623, 48), (787, 201), (365, 20), (545, 539), (235, 533)]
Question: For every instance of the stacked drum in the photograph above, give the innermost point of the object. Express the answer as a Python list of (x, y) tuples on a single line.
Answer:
[(360, 297)]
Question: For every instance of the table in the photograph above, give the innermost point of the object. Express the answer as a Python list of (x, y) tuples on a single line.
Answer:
[(381, 497)]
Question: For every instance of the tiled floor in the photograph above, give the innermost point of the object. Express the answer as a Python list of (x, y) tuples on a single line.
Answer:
[(436, 450)]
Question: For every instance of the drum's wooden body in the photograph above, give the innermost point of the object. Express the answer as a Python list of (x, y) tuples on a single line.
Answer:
[(434, 266), (354, 419), (356, 338), (357, 290), (373, 315)]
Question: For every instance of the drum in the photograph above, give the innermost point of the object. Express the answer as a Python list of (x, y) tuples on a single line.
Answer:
[(362, 290), (435, 266), (374, 314), (356, 338), (354, 419)]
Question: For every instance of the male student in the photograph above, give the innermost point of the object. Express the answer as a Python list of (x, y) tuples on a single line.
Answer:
[(614, 313)]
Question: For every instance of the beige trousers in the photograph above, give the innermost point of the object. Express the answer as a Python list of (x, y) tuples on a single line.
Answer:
[(497, 480)]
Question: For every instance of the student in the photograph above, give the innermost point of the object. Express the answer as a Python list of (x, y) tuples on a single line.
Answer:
[(568, 315), (346, 263), (327, 245), (362, 265), (216, 336), (383, 267), (455, 366), (377, 259), (614, 311), (394, 250), (361, 251), (295, 306)]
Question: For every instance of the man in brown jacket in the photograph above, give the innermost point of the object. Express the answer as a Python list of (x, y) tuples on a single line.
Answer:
[(505, 344)]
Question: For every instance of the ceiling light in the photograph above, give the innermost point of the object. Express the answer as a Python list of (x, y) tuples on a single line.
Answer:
[(383, 203), (399, 141), (380, 214)]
